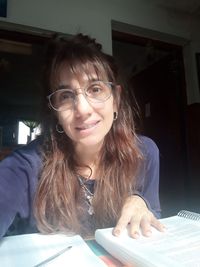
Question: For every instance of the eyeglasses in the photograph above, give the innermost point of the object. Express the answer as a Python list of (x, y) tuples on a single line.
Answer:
[(96, 92)]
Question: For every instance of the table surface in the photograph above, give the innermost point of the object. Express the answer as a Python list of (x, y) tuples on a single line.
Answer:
[(104, 255)]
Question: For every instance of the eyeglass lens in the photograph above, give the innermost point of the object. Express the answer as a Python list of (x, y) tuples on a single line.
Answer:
[(96, 92)]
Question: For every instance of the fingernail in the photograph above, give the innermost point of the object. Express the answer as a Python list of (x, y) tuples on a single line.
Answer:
[(148, 233), (136, 235), (116, 232)]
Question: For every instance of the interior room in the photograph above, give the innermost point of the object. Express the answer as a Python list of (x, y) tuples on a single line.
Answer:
[(157, 45)]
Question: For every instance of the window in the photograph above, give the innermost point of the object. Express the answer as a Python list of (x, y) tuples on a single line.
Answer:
[(27, 131)]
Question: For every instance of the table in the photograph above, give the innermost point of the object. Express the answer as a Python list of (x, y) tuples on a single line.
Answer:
[(104, 255)]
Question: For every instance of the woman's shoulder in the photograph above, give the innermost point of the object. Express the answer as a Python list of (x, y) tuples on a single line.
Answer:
[(26, 154), (147, 145), (31, 152), (32, 147)]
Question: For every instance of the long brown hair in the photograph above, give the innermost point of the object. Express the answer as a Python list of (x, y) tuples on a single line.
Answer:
[(56, 200)]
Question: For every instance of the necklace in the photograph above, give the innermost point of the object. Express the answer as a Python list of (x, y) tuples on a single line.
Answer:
[(88, 195)]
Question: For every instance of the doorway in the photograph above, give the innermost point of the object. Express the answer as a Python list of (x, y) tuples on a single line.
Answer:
[(155, 72)]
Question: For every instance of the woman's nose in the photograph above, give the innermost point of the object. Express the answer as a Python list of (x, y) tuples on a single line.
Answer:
[(81, 105)]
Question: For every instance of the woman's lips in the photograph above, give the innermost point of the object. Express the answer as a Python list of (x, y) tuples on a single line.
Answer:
[(86, 126)]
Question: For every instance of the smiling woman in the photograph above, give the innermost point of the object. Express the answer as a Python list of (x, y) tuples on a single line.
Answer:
[(86, 170)]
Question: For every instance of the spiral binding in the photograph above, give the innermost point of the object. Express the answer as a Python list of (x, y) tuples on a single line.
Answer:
[(189, 215)]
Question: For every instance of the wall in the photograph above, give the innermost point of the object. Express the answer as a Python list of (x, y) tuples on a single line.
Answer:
[(95, 18)]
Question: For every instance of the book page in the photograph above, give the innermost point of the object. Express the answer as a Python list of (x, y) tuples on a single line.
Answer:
[(178, 246), (29, 250), (182, 242)]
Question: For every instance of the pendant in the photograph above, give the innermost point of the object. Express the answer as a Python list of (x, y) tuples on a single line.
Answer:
[(89, 198), (91, 210)]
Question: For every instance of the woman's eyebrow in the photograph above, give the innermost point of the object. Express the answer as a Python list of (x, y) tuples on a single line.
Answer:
[(64, 86), (94, 79), (68, 86)]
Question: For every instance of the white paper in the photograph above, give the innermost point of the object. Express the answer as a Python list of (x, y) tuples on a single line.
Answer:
[(29, 250)]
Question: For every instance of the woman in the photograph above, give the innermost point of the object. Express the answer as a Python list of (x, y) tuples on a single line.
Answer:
[(84, 172)]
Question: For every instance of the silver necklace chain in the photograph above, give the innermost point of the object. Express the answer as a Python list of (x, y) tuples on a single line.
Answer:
[(88, 195)]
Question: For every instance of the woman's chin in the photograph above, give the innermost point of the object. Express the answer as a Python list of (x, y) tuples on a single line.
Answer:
[(90, 142)]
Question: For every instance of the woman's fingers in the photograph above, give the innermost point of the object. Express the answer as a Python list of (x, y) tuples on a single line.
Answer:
[(158, 225), (145, 225), (121, 224), (147, 222), (134, 227), (139, 219)]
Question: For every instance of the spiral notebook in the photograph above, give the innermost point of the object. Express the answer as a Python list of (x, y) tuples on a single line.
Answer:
[(178, 246), (189, 215)]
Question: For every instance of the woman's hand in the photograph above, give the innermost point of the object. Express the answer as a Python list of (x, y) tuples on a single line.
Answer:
[(136, 214)]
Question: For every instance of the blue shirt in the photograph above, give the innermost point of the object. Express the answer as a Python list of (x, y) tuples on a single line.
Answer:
[(19, 174)]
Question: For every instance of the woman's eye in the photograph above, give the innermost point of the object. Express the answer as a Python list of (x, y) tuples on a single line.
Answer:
[(94, 90), (66, 95)]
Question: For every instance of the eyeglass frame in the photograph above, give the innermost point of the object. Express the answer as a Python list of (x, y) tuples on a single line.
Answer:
[(112, 85)]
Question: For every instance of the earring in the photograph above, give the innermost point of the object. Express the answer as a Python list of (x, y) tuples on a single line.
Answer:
[(59, 128), (115, 115)]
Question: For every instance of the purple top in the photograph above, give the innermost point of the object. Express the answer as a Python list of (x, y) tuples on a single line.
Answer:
[(19, 174)]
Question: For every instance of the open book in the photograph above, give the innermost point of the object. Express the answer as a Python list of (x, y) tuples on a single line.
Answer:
[(31, 249), (178, 246)]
